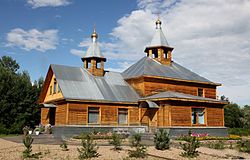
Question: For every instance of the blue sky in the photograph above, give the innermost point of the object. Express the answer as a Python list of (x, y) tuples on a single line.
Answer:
[(73, 22), (211, 38)]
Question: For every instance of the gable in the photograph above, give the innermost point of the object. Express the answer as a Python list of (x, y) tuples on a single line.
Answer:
[(51, 89)]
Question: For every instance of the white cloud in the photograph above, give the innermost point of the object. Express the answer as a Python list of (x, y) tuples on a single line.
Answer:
[(212, 38), (47, 3), (77, 52), (33, 39)]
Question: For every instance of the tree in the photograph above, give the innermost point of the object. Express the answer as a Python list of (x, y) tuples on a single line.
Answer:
[(9, 63), (18, 97), (246, 116), (233, 115)]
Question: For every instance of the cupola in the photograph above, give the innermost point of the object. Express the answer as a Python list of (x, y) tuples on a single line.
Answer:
[(93, 59), (159, 48)]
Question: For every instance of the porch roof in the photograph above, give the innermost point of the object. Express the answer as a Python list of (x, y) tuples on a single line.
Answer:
[(171, 95)]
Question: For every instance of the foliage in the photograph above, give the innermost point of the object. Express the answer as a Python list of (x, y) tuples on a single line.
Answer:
[(217, 145), (116, 141), (140, 149), (244, 146), (18, 98), (239, 131), (231, 137), (190, 147), (161, 139), (97, 135), (64, 146), (233, 115), (246, 117), (88, 150)]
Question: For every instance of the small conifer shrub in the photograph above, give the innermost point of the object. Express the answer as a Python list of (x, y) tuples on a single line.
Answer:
[(161, 139), (88, 150), (140, 149), (116, 141), (190, 147)]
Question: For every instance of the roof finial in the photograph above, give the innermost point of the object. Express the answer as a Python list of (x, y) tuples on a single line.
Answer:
[(158, 23), (94, 35)]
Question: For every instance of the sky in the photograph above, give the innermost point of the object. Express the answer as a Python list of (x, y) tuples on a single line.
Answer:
[(211, 38)]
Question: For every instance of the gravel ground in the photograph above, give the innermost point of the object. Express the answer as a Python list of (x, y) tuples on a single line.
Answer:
[(13, 151)]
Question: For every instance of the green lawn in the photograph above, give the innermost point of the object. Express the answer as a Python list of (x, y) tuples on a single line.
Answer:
[(8, 135)]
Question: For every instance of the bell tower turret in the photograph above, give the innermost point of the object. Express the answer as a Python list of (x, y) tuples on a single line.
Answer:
[(159, 48), (94, 59)]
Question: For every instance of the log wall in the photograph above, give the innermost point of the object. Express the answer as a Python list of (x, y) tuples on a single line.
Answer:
[(77, 114), (150, 86), (215, 116)]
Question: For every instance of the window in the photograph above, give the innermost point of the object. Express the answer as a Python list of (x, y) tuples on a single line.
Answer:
[(122, 116), (50, 90), (88, 64), (198, 116), (58, 88), (55, 84), (93, 115), (200, 92), (165, 55), (98, 64)]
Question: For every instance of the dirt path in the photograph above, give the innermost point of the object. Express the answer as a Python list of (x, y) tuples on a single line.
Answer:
[(13, 151)]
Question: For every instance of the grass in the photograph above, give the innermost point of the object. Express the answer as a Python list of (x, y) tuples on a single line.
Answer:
[(8, 135)]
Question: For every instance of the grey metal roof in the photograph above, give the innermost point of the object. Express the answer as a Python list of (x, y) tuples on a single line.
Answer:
[(159, 39), (150, 67), (78, 83), (93, 51), (171, 94)]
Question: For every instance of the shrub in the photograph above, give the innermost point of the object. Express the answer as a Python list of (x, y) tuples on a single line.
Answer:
[(64, 146), (89, 149), (239, 131), (161, 139), (190, 147), (244, 146), (116, 141), (217, 145), (140, 149)]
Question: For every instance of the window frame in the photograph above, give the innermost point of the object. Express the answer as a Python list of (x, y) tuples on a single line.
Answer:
[(197, 117), (122, 111), (97, 111), (54, 86), (203, 92)]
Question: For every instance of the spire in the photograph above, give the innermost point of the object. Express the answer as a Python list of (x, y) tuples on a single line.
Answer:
[(94, 35), (158, 24), (94, 49)]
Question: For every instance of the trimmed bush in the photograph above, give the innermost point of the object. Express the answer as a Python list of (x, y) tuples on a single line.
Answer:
[(161, 140)]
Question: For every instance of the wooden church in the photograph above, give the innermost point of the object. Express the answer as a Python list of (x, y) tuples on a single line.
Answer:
[(155, 92)]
